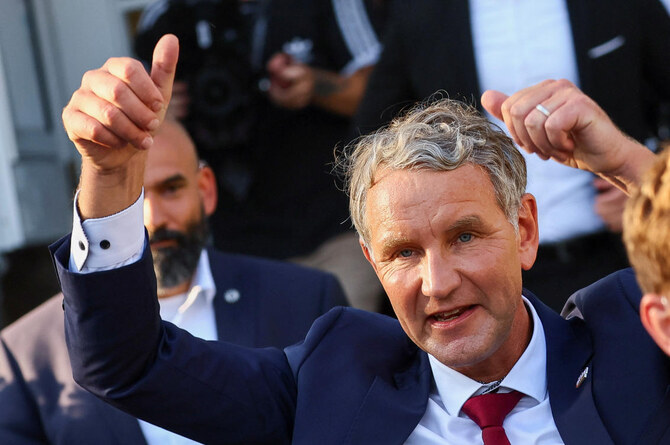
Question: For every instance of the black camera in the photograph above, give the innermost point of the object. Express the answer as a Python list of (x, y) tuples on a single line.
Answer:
[(215, 63)]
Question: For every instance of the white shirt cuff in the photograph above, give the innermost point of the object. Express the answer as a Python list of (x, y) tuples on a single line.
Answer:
[(368, 58), (107, 243)]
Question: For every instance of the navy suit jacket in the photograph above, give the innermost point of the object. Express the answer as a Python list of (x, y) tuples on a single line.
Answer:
[(428, 47), (41, 403), (356, 378)]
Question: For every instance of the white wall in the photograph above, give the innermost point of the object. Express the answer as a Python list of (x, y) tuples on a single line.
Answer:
[(47, 45), (11, 235)]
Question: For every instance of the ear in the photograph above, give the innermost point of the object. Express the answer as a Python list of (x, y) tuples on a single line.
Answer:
[(529, 235), (367, 253), (208, 190), (655, 316)]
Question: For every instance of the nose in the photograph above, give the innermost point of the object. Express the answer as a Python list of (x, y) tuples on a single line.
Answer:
[(154, 215), (439, 277)]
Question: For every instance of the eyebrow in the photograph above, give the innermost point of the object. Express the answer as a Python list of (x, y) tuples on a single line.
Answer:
[(468, 222), (176, 179), (391, 244)]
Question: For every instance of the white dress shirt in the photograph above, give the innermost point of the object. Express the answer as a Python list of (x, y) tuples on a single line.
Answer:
[(530, 422), (117, 240), (518, 43), (357, 33)]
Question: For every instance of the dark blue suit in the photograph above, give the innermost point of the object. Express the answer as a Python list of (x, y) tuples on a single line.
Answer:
[(41, 403), (355, 379)]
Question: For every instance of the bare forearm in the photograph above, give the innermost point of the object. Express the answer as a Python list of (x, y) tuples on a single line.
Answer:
[(571, 129), (337, 93), (110, 119), (104, 193), (638, 159)]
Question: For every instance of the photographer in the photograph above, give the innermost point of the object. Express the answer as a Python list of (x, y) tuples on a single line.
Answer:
[(300, 68)]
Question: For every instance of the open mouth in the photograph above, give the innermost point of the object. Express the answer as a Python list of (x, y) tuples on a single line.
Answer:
[(452, 315)]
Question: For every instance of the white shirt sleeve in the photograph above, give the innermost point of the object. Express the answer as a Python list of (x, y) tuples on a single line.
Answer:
[(358, 34), (107, 243), (666, 3)]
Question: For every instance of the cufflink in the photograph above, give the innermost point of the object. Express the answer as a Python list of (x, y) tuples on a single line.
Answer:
[(582, 377), (80, 248)]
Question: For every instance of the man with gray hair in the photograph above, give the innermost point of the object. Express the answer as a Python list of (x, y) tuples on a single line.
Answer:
[(418, 141), (438, 199)]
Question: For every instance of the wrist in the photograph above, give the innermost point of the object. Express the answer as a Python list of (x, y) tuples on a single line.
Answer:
[(324, 84), (637, 160), (104, 192)]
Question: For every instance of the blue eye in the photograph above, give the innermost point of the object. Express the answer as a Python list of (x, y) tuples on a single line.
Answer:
[(405, 253), (465, 237)]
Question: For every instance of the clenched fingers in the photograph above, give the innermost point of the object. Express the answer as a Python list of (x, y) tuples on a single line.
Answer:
[(86, 132), (111, 119), (525, 114)]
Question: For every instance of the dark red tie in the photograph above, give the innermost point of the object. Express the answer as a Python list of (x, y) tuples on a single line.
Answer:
[(488, 411)]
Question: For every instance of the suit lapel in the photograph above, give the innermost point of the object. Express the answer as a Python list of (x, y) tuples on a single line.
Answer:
[(449, 66), (235, 322), (569, 353), (582, 40), (402, 402), (461, 50)]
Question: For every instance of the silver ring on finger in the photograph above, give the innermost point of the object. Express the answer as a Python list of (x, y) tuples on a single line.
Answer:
[(543, 110)]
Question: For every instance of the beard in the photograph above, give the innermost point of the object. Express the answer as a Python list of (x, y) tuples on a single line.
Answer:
[(176, 264)]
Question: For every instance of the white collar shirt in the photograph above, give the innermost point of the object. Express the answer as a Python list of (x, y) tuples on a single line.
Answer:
[(530, 422), (518, 43), (194, 310)]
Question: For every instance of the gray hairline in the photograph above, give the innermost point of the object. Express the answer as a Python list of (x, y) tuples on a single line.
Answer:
[(512, 217), (419, 138), (511, 213)]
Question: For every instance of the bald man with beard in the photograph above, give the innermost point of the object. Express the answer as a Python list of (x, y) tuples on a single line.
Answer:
[(213, 295)]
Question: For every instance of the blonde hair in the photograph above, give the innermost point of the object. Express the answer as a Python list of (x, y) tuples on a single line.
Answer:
[(647, 228), (441, 136)]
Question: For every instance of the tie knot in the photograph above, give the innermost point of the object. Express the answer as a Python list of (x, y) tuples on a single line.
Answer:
[(489, 410)]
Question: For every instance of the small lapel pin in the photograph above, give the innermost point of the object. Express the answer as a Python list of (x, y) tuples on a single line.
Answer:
[(231, 296), (582, 377)]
